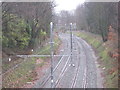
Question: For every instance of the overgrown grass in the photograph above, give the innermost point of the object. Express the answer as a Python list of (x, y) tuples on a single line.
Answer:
[(25, 72), (111, 79), (20, 75), (7, 65)]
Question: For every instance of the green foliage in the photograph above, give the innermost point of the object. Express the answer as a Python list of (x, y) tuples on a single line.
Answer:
[(16, 35), (42, 33), (23, 28), (5, 41)]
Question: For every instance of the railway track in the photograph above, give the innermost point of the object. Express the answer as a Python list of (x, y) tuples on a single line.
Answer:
[(85, 69), (64, 70), (76, 74), (74, 80), (44, 82), (49, 76), (90, 69)]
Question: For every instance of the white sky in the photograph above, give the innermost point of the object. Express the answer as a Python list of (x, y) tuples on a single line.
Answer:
[(67, 4)]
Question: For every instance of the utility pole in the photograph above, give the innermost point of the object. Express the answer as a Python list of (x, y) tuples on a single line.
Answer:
[(51, 43), (72, 64)]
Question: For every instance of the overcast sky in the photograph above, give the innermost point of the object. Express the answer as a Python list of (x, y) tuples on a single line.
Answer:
[(67, 4)]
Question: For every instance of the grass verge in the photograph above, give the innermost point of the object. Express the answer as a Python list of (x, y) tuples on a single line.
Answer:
[(108, 64)]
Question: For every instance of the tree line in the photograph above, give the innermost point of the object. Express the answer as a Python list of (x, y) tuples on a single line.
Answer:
[(25, 23), (97, 17)]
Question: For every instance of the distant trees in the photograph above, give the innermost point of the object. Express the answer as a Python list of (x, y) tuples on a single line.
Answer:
[(25, 23), (80, 16), (64, 18), (67, 17), (96, 17)]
